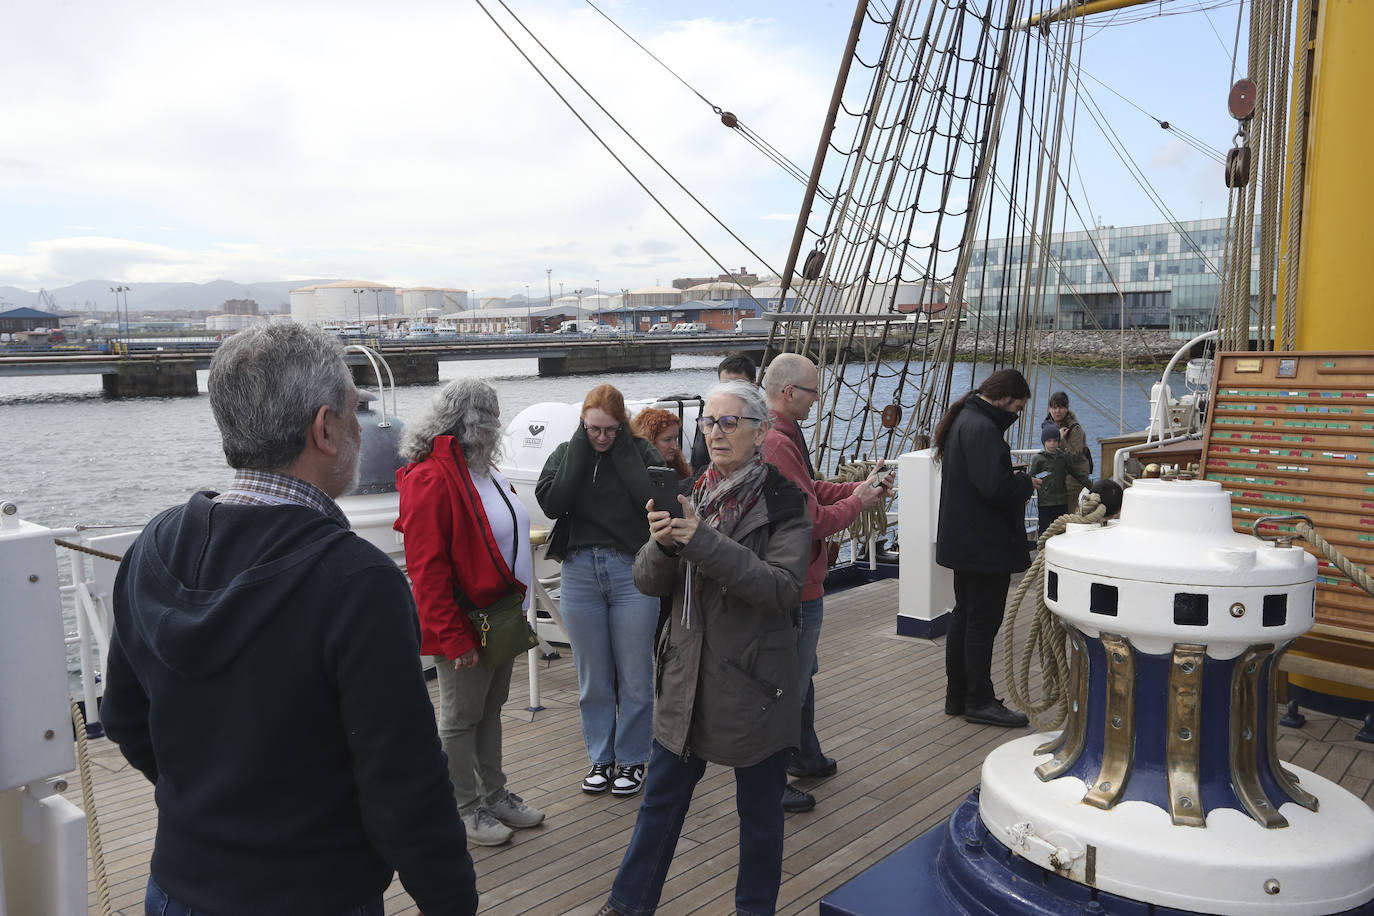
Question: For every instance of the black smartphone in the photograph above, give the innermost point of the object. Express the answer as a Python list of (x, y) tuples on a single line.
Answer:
[(665, 491)]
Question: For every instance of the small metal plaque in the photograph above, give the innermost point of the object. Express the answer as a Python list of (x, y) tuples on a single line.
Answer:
[(1248, 365)]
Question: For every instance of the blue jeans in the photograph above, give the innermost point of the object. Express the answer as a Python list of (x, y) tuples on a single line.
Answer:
[(611, 627), (667, 795), (157, 903), (809, 618)]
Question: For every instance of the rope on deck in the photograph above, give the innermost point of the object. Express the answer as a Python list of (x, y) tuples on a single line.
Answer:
[(1048, 636), (83, 766)]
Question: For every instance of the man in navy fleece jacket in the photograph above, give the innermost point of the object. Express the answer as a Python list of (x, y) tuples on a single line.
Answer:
[(264, 671)]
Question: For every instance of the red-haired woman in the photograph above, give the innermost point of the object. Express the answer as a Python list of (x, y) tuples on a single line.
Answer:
[(597, 484), (663, 430)]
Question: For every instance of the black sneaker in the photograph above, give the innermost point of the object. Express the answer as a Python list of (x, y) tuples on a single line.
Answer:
[(598, 779), (994, 713), (628, 780), (795, 800)]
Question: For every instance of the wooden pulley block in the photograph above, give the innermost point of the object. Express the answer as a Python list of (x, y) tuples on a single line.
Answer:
[(892, 415), (1241, 100), (814, 264), (729, 120), (1238, 167)]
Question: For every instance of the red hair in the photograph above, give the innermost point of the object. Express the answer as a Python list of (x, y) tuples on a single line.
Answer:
[(650, 423), (609, 399)]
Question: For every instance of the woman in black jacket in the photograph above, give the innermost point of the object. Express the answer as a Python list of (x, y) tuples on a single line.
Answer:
[(981, 536)]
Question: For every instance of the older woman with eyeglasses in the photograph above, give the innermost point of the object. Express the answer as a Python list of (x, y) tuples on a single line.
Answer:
[(595, 486), (727, 661)]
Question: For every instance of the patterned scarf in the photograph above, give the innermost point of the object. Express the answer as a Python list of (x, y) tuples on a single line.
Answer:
[(722, 501)]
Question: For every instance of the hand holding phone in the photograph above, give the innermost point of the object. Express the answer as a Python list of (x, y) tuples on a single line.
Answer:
[(1042, 475), (664, 482)]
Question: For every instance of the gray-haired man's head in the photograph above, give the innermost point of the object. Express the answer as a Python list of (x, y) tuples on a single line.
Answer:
[(266, 385)]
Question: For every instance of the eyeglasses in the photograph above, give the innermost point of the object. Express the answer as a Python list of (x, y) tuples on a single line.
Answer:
[(600, 431), (727, 424), (804, 388)]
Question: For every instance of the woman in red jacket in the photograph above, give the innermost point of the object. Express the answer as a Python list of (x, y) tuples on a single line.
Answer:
[(454, 503)]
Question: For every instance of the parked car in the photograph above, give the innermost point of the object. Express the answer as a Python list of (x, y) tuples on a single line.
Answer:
[(689, 327)]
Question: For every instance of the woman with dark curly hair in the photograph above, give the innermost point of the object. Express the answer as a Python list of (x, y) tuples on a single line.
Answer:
[(596, 484), (663, 430)]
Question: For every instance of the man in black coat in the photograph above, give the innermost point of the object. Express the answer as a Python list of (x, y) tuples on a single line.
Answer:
[(981, 536)]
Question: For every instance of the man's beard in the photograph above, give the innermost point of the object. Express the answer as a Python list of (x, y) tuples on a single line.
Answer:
[(347, 467)]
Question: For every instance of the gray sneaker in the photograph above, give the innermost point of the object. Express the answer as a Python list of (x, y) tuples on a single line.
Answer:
[(484, 829), (513, 812)]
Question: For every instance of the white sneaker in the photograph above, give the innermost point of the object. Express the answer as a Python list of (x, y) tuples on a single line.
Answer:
[(628, 780), (484, 829), (513, 812)]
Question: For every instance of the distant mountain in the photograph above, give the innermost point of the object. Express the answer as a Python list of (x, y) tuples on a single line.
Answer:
[(96, 295)]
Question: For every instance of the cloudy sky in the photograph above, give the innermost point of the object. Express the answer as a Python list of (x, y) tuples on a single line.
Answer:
[(408, 142)]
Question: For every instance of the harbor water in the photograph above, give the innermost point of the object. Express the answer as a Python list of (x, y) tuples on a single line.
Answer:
[(70, 457)]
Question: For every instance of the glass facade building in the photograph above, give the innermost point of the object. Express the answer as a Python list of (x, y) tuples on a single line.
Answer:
[(1167, 275)]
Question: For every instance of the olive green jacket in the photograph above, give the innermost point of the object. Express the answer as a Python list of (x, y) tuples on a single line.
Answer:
[(726, 678)]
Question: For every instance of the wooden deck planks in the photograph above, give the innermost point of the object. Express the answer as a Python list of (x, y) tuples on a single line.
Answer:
[(904, 766)]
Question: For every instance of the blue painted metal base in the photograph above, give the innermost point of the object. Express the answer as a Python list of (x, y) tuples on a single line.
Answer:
[(851, 575), (923, 629), (958, 869)]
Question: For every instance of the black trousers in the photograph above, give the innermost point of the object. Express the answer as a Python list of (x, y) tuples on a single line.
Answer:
[(980, 600)]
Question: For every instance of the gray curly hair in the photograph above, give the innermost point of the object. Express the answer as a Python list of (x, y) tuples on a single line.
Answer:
[(467, 410)]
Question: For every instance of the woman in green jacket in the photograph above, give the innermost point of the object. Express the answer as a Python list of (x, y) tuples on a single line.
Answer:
[(596, 485)]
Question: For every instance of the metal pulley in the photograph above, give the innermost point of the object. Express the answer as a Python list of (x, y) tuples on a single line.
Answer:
[(729, 120), (1238, 167), (815, 263), (1241, 100)]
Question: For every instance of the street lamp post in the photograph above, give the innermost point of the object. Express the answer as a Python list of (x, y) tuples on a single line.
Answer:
[(548, 276), (377, 299), (359, 294), (120, 320), (528, 320), (578, 293)]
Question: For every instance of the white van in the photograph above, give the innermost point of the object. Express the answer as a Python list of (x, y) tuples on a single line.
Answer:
[(689, 327), (567, 327), (663, 327)]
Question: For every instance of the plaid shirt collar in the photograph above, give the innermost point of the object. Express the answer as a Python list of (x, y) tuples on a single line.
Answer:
[(268, 488)]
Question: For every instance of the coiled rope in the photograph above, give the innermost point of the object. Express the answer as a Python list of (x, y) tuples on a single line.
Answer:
[(83, 767), (1048, 636), (872, 522)]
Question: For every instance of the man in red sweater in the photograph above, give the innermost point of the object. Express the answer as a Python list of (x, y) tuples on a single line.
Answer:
[(792, 385)]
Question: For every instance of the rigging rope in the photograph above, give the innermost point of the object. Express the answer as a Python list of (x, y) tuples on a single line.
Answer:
[(83, 766)]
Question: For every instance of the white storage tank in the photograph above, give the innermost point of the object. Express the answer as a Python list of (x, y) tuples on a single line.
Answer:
[(353, 301), (303, 305)]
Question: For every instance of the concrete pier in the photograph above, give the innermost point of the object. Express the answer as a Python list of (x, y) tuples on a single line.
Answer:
[(408, 368), (158, 378), (619, 357)]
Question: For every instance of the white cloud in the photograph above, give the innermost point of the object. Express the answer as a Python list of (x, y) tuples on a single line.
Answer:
[(416, 148)]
